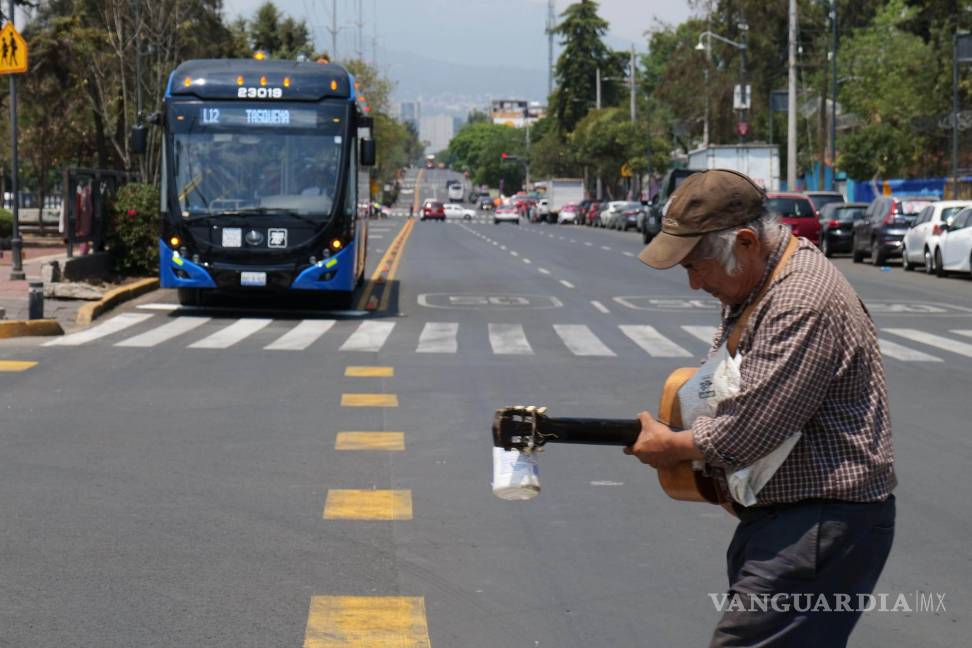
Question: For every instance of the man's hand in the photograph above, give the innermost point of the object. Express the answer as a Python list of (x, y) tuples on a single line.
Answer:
[(659, 447)]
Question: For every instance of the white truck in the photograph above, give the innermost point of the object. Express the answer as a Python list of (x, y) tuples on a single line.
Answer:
[(560, 192), (761, 162)]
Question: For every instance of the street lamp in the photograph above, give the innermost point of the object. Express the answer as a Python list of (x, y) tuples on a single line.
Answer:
[(962, 53), (706, 47)]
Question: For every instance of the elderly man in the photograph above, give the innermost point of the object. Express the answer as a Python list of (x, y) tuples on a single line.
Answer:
[(800, 436)]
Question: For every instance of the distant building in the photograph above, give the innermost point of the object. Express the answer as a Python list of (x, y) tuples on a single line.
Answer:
[(411, 111), (437, 131), (515, 112)]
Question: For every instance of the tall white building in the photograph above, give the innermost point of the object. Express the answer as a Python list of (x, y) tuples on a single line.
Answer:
[(437, 131)]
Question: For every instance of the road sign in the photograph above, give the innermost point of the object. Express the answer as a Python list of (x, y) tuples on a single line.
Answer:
[(741, 97), (13, 51), (742, 129), (625, 170)]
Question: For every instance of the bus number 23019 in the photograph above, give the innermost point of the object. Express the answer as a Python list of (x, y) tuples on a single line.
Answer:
[(259, 93)]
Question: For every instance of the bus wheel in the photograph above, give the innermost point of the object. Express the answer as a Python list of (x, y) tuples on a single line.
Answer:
[(190, 296)]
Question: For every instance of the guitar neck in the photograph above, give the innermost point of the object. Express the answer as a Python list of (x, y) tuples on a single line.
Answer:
[(613, 432)]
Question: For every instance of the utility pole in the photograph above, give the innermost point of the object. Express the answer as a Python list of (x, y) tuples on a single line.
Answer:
[(708, 61), (333, 31), (551, 25), (16, 243), (833, 95), (634, 177), (597, 104), (360, 25), (374, 33), (791, 125)]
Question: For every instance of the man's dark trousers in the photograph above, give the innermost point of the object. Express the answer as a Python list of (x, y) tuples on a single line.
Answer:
[(799, 552)]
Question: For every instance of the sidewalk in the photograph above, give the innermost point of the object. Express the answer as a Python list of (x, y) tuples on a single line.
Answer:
[(13, 294)]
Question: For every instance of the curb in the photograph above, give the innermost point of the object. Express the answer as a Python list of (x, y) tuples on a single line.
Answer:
[(89, 312), (29, 328)]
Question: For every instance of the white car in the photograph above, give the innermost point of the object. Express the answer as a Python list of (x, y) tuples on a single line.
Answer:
[(612, 212), (954, 253), (568, 214), (453, 210), (921, 239), (543, 208), (506, 214)]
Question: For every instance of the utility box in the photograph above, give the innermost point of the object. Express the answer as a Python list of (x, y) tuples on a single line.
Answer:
[(761, 162)]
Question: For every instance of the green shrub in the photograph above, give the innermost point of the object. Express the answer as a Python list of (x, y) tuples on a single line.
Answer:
[(134, 233), (6, 223)]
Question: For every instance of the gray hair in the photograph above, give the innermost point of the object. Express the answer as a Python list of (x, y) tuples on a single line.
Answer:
[(721, 245)]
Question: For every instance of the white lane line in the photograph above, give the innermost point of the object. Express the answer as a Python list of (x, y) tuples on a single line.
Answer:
[(160, 334), (544, 271), (301, 336), (509, 339), (704, 333), (369, 336), (604, 247), (572, 241), (516, 254), (656, 344), (114, 325), (503, 247), (566, 283), (581, 341), (235, 332), (588, 243), (374, 237), (599, 306), (439, 337), (630, 254), (159, 307), (931, 339), (903, 353), (965, 332), (527, 261)]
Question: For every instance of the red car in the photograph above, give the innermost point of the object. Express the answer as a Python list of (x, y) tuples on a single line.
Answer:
[(434, 210), (797, 212), (594, 209)]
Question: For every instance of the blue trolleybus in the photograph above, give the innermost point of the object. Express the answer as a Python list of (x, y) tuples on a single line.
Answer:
[(264, 180)]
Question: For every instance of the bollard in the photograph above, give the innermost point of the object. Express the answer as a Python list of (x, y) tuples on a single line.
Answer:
[(35, 300)]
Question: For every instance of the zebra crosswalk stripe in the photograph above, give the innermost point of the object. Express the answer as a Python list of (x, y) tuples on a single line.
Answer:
[(114, 325), (230, 335), (653, 342), (167, 331), (301, 336), (704, 333), (965, 332), (581, 340), (369, 336), (439, 337), (903, 353), (508, 339), (937, 341)]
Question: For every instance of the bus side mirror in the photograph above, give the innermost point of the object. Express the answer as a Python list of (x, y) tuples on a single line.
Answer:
[(367, 152), (139, 139)]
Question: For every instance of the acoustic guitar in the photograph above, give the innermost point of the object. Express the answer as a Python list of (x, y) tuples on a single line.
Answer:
[(527, 428)]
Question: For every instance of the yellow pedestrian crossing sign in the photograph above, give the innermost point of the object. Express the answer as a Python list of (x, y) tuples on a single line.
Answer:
[(13, 51)]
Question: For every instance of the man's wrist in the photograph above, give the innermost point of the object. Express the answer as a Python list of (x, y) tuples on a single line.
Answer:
[(684, 446)]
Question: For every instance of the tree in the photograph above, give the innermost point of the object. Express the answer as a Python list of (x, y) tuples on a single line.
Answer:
[(583, 54)]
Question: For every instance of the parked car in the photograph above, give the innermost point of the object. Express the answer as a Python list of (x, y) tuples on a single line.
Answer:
[(881, 232), (433, 210), (506, 214), (797, 212), (611, 212), (822, 198), (543, 208), (631, 215), (453, 210), (837, 226), (954, 252), (921, 240), (592, 211), (486, 203), (568, 214), (652, 221)]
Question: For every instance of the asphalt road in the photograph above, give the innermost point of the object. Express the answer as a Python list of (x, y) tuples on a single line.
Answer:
[(179, 486)]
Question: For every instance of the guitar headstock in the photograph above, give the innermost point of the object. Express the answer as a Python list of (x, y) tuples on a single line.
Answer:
[(517, 428)]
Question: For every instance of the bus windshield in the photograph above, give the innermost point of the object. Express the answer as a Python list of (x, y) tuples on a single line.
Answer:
[(238, 158)]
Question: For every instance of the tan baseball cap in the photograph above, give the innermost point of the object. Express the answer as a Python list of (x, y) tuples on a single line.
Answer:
[(707, 201)]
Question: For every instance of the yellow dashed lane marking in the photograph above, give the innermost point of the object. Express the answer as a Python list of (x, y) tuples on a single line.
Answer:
[(367, 622), (370, 441), (368, 505), (370, 372), (369, 400), (16, 365)]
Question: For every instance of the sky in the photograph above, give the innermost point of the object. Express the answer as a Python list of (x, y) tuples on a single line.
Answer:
[(437, 48)]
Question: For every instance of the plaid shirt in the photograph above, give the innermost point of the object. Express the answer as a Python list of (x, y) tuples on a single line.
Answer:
[(810, 363)]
